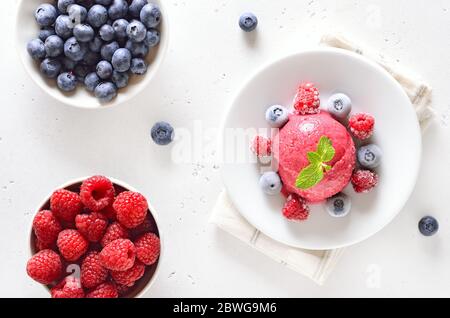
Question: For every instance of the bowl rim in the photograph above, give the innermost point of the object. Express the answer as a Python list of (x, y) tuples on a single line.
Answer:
[(320, 50), (143, 82), (125, 185)]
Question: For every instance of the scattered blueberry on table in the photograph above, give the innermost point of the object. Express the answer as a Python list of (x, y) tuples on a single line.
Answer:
[(95, 43), (248, 22), (162, 133), (428, 226), (270, 183)]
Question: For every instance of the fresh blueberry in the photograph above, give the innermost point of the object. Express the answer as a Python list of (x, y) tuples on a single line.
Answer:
[(248, 22), (277, 116), (64, 4), (64, 27), (339, 105), (120, 79), (162, 133), (106, 32), (74, 49), (77, 14), (152, 38), (54, 46), (91, 58), (136, 31), (150, 15), (66, 82), (51, 67), (135, 7), (118, 9), (120, 28), (270, 183), (97, 16), (36, 49), (45, 32), (121, 60), (105, 92), (83, 32), (104, 69), (428, 226), (46, 14), (108, 50), (91, 81), (339, 206), (370, 156), (68, 64), (137, 49), (138, 66), (96, 44)]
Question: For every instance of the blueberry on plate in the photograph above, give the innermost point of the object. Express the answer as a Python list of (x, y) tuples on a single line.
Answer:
[(91, 81), (118, 9), (105, 92), (75, 50), (50, 67), (120, 79), (121, 60), (339, 106), (67, 82), (63, 27), (120, 28), (150, 15), (45, 32), (108, 50), (162, 133), (339, 205), (428, 226), (54, 46), (270, 183), (97, 15), (96, 45), (277, 116), (64, 4), (136, 31), (83, 32), (138, 66), (46, 14), (152, 38), (135, 7), (77, 14), (369, 156), (36, 49), (106, 32), (248, 22), (137, 49), (104, 69)]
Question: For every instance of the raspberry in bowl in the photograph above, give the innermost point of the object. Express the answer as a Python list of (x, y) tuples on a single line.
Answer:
[(95, 237)]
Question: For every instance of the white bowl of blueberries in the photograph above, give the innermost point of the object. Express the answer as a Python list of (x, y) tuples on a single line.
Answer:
[(91, 53)]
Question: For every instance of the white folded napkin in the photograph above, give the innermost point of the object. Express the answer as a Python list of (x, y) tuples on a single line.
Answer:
[(317, 265)]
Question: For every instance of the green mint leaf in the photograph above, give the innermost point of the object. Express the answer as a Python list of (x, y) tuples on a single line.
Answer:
[(314, 157), (310, 176), (325, 149)]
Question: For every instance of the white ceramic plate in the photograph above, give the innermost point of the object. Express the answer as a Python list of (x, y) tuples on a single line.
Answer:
[(27, 29), (372, 90)]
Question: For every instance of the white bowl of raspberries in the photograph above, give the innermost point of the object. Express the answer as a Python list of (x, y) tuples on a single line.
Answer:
[(95, 237), (91, 53)]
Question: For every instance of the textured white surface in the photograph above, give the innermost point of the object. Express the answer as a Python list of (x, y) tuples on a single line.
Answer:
[(44, 144)]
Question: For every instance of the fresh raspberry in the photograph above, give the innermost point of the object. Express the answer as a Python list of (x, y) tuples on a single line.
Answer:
[(91, 226), (69, 287), (109, 213), (105, 290), (295, 209), (71, 244), (362, 125), (148, 248), (364, 180), (65, 204), (307, 100), (119, 255), (45, 267), (131, 208), (46, 227), (97, 193), (261, 146), (44, 246), (113, 232), (148, 226), (130, 276), (92, 271)]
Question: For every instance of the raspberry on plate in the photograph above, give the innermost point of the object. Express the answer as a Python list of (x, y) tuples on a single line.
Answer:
[(118, 255), (65, 204), (46, 228), (105, 290), (130, 276), (91, 226), (45, 267), (307, 100), (71, 244), (261, 146), (362, 125), (97, 193), (113, 232), (92, 271), (44, 246), (131, 208), (69, 287), (148, 248), (364, 180), (295, 209)]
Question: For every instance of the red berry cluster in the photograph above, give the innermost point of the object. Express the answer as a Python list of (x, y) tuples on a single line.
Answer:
[(112, 238)]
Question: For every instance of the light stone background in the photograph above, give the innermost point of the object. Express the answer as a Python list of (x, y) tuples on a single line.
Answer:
[(43, 144)]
